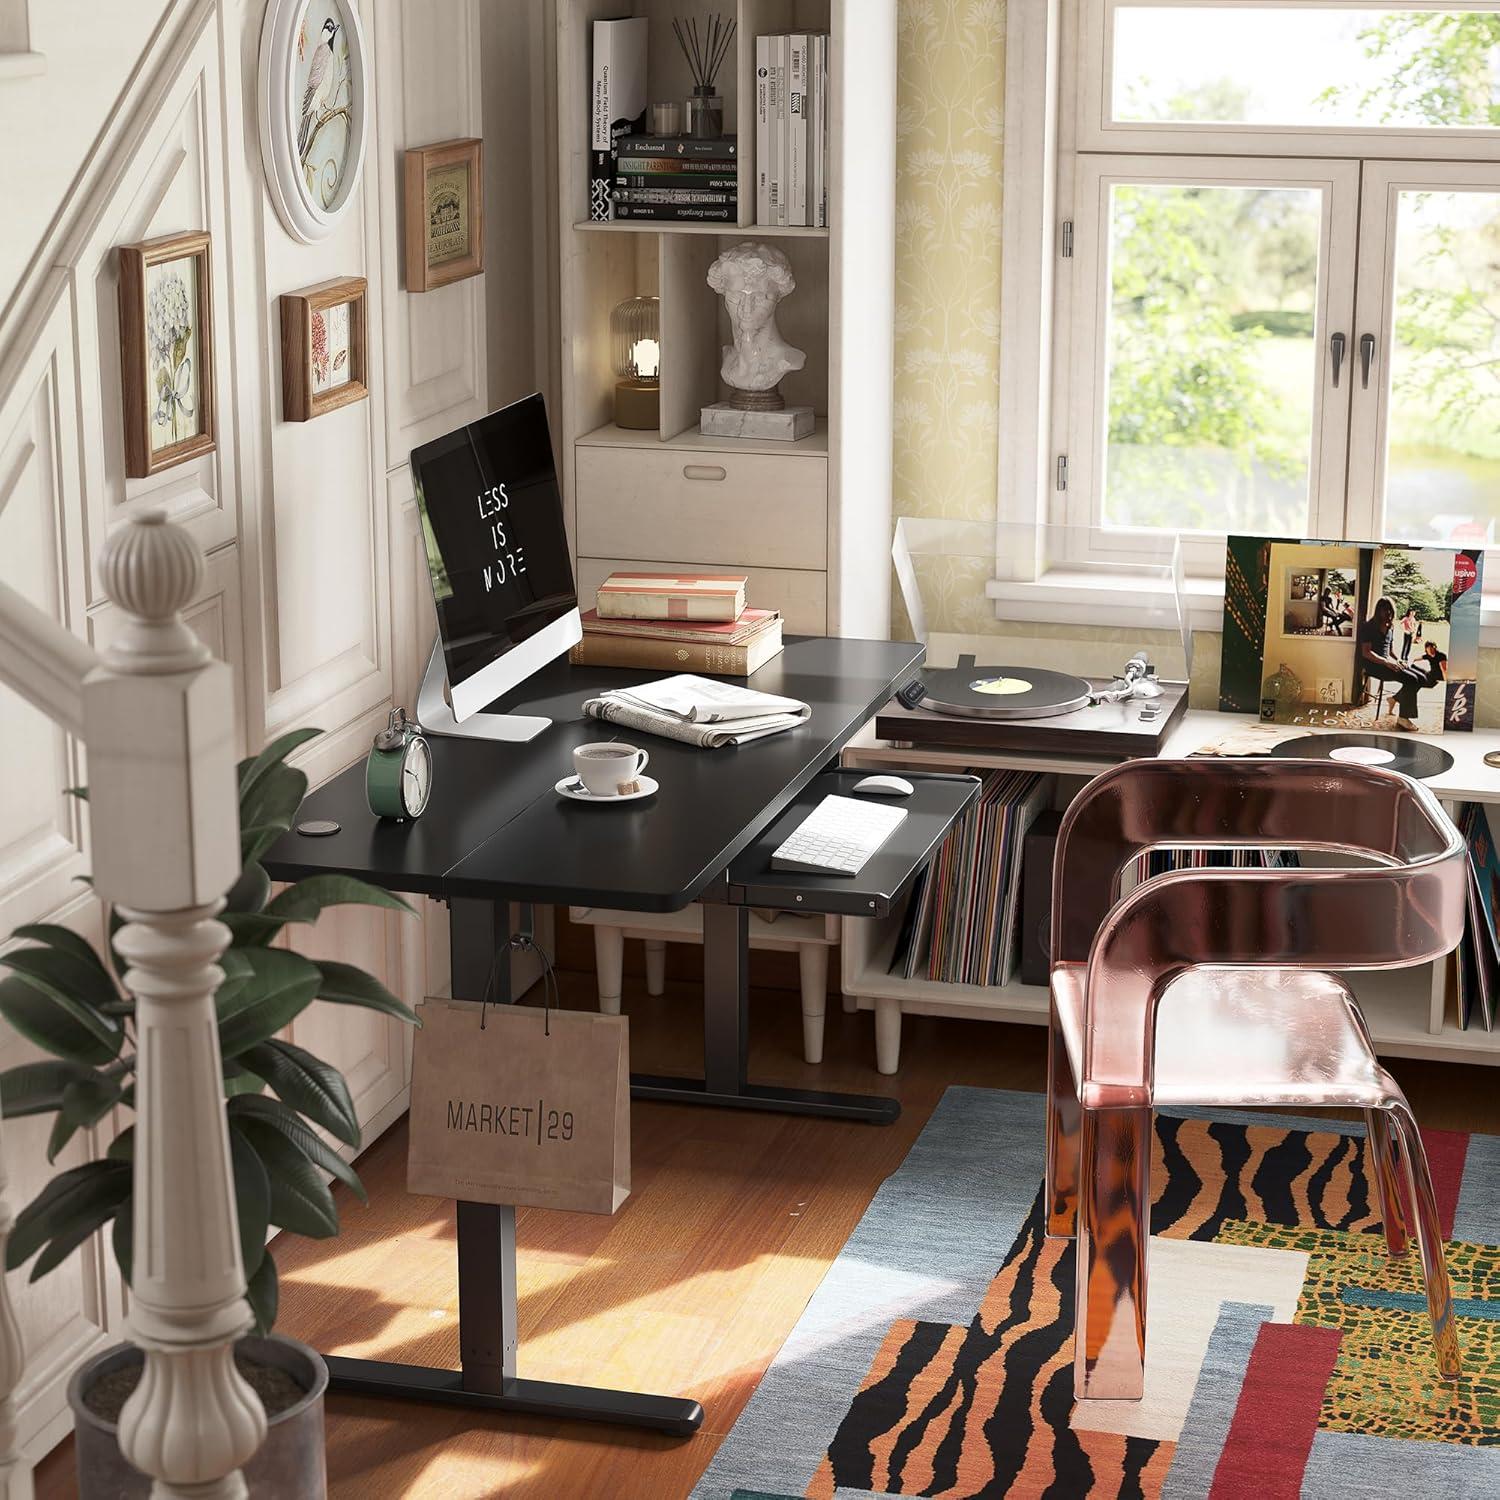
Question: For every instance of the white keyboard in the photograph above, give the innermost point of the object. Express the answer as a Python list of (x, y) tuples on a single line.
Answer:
[(838, 837)]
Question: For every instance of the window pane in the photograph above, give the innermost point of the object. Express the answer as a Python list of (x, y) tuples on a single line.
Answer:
[(1443, 429), (1307, 66), (1210, 358)]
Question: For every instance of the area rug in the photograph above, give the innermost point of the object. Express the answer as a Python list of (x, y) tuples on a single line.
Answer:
[(1286, 1356)]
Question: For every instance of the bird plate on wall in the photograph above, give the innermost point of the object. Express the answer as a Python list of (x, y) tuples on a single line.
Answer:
[(314, 96)]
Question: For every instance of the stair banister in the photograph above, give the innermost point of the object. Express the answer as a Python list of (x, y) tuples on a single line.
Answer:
[(156, 713)]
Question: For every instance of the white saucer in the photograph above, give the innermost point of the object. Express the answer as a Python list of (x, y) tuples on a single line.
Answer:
[(575, 791)]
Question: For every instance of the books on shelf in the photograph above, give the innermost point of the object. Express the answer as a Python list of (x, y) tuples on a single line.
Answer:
[(672, 196), (679, 213), (732, 649), (677, 146), (675, 180), (672, 596), (791, 129), (1477, 962), (617, 103)]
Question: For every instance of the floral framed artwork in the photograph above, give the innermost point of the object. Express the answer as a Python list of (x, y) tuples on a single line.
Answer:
[(444, 214), (314, 93), (324, 347), (166, 352)]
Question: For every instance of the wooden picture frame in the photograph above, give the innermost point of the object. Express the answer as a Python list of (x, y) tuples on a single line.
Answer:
[(309, 383), (166, 352), (444, 180)]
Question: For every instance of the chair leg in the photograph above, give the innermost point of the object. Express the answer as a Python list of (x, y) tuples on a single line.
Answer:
[(656, 966), (1385, 1182), (851, 1004), (812, 959), (1062, 1139), (887, 1034), (1114, 1224), (609, 960), (1429, 1233)]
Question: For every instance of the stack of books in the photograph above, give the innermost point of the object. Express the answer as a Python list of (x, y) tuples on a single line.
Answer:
[(690, 622), (671, 179), (791, 129)]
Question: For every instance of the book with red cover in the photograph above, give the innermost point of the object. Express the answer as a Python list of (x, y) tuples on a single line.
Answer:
[(672, 596), (705, 632)]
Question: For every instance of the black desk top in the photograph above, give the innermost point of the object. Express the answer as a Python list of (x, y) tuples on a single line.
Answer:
[(496, 829)]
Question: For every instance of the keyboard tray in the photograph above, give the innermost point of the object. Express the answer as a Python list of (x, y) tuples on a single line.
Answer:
[(930, 812)]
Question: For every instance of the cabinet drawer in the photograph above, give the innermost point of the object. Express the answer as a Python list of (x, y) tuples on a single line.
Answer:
[(802, 597), (723, 509)]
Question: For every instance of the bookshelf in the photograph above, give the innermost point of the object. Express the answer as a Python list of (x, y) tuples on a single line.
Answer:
[(1410, 1011), (809, 522)]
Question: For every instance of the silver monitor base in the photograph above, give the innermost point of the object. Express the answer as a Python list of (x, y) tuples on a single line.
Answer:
[(436, 717)]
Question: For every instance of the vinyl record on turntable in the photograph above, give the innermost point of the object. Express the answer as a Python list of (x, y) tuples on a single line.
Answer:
[(977, 692), (1395, 752)]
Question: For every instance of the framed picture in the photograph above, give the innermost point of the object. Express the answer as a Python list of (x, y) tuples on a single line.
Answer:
[(323, 348), (444, 214), (314, 90), (166, 352)]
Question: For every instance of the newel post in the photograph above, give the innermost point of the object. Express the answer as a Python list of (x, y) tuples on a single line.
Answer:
[(159, 725)]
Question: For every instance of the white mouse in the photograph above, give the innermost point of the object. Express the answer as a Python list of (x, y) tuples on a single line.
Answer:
[(885, 786)]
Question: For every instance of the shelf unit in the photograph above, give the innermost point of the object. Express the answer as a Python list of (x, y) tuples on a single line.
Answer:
[(809, 522), (1410, 1011)]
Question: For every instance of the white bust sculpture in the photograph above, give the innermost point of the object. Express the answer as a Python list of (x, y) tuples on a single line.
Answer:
[(752, 278)]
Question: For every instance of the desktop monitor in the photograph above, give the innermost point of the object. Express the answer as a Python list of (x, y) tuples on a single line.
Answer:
[(497, 557)]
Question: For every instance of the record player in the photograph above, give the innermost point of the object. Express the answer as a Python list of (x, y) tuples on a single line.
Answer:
[(1036, 709)]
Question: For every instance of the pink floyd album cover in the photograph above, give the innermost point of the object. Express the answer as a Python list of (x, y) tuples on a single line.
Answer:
[(1351, 635)]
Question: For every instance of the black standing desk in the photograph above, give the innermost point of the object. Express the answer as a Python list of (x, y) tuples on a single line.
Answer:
[(495, 833)]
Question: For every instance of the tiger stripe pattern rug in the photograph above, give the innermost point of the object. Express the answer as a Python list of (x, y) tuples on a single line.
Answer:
[(1287, 1356)]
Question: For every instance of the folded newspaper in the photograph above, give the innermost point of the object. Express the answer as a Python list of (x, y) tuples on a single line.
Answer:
[(699, 711)]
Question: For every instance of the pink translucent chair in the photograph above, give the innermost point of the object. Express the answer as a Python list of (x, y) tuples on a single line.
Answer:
[(1238, 959)]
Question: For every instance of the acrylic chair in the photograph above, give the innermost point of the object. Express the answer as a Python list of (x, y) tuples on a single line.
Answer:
[(1241, 959)]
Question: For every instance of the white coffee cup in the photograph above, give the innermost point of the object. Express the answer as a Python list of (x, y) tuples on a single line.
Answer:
[(608, 768)]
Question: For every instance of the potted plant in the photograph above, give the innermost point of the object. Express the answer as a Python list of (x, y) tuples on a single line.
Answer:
[(67, 999)]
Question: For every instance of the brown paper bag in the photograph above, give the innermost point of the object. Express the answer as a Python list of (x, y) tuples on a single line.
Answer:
[(513, 1114)]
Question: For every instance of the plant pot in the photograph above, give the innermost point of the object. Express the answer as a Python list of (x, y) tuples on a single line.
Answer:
[(289, 1463)]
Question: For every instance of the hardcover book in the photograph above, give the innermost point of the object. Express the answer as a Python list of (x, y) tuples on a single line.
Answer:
[(723, 149), (672, 596), (705, 632), (666, 213), (617, 104), (721, 659)]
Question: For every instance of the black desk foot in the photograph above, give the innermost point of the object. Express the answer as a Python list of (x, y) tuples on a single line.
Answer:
[(527, 1398), (871, 1109)]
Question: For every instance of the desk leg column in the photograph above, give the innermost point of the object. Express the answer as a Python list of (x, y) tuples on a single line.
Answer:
[(487, 1337), (726, 997)]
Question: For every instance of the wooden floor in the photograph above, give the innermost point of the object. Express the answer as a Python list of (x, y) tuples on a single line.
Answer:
[(689, 1290)]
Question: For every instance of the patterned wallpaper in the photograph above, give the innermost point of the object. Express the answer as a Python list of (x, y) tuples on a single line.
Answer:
[(950, 147)]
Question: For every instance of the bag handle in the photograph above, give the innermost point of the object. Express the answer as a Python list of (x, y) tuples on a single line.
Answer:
[(523, 942)]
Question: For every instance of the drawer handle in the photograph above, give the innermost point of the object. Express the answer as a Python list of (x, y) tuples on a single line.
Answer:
[(704, 471)]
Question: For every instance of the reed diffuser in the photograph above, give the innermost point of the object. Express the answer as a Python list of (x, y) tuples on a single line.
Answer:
[(705, 49)]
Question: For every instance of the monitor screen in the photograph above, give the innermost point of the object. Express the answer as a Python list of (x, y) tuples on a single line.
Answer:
[(492, 521)]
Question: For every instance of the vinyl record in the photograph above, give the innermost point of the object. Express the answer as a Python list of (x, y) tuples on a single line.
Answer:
[(1395, 752), (975, 692)]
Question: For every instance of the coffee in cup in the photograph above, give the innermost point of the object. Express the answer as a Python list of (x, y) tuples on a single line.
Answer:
[(609, 769)]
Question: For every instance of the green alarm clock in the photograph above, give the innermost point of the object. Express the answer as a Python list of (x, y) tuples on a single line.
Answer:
[(398, 771)]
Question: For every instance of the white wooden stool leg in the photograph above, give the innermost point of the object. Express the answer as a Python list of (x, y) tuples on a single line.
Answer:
[(656, 966), (812, 958), (851, 1004), (887, 1034), (609, 960)]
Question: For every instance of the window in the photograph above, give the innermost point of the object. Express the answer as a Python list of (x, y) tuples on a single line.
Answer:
[(1277, 277)]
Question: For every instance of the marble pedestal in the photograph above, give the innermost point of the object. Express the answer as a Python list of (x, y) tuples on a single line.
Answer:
[(785, 426)]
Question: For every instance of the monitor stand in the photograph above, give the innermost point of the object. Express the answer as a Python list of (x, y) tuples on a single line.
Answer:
[(436, 716)]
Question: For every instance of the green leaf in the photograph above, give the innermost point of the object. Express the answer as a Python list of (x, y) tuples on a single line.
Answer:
[(83, 985), (311, 1086), (274, 800), (300, 1200), (305, 900), (302, 1135), (37, 1088), (264, 989), (81, 792), (251, 891), (122, 1148), (122, 1236), (85, 1102), (64, 1027), (69, 1209), (252, 1197), (254, 770), (254, 841), (263, 1295), (251, 929), (69, 941), (343, 984)]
